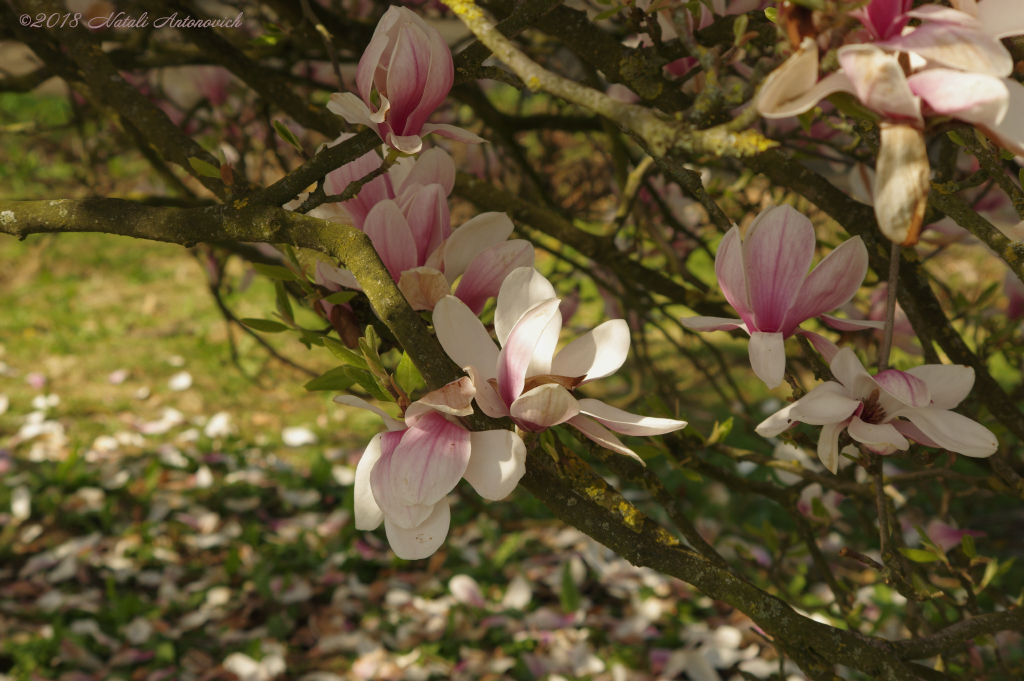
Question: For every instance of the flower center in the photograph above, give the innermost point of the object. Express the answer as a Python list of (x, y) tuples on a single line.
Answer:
[(872, 411)]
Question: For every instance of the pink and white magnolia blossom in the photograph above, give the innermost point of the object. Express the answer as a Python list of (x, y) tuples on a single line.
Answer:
[(526, 379), (946, 536), (883, 411), (406, 473), (409, 66), (764, 277)]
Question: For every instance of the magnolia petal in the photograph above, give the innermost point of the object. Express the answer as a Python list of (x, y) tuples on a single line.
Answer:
[(832, 283), (409, 144), (954, 432), (948, 384), (841, 324), (471, 239), (464, 337), (389, 421), (902, 182), (826, 403), (956, 46), (1009, 133), (712, 324), (971, 97), (768, 357), (602, 436), (879, 82), (914, 433), (429, 461), (828, 445), (391, 237), (826, 348), (423, 287), (336, 275), (487, 272), (849, 371), (514, 359), (434, 166), (785, 417), (1000, 18), (793, 88), (731, 274), (396, 510), (426, 211), (876, 435), (455, 398), (862, 183), (352, 109), (905, 387), (595, 354), (777, 254), (453, 133), (486, 395), (368, 515), (626, 423), (544, 406), (497, 463), (422, 540), (371, 56), (522, 289)]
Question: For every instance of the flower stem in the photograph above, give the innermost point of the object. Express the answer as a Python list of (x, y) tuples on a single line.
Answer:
[(890, 307)]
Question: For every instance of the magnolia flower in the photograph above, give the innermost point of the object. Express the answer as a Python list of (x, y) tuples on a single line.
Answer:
[(882, 411), (405, 474), (1014, 290), (764, 277), (410, 67), (946, 536), (526, 379)]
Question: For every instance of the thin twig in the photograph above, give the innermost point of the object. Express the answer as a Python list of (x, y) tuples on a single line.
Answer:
[(890, 307), (326, 35)]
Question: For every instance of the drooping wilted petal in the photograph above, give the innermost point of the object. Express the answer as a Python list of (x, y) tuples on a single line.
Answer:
[(595, 354), (879, 82), (368, 63), (793, 88), (768, 357), (832, 283), (429, 461), (902, 182), (392, 239), (544, 406), (464, 337), (422, 540), (731, 274), (948, 384), (877, 436), (626, 423), (954, 432), (514, 359), (483, 279), (602, 436), (522, 289), (423, 287), (497, 463), (777, 253), (471, 239)]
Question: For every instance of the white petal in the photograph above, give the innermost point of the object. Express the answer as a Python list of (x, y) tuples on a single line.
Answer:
[(522, 289), (602, 436), (785, 417), (826, 403), (544, 351), (954, 432), (455, 398), (949, 384), (452, 132), (337, 275), (486, 396), (428, 462), (828, 445), (409, 144), (368, 513), (768, 357), (471, 238), (595, 354), (850, 324), (626, 423), (713, 324), (849, 371), (352, 401), (352, 109), (464, 337), (424, 539), (497, 463), (544, 406), (876, 434)]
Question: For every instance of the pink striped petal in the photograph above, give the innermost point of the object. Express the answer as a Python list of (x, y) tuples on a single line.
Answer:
[(958, 47), (595, 354), (434, 166), (832, 283), (422, 540), (948, 384), (483, 279), (768, 357), (907, 388), (514, 359), (826, 348), (429, 461), (522, 289), (369, 195), (909, 430), (397, 510), (971, 97), (712, 324), (464, 338), (947, 536), (626, 423), (407, 74), (777, 254), (471, 239), (841, 324), (436, 83), (391, 237), (372, 55), (730, 272), (545, 406), (497, 463), (602, 436), (426, 210)]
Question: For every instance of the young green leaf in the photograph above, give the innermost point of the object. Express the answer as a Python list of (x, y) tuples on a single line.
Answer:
[(369, 383), (287, 135), (335, 380), (956, 138), (739, 28), (407, 375), (569, 595), (275, 272), (772, 15), (203, 168), (340, 297), (284, 305), (265, 325), (608, 13), (919, 555), (967, 544), (345, 355)]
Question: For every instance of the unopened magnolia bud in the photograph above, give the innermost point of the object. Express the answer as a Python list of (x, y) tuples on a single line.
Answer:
[(901, 183)]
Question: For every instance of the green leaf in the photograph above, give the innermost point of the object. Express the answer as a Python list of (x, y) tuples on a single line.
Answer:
[(967, 544), (264, 325), (284, 305), (203, 168), (691, 475), (335, 380), (369, 383), (806, 120), (344, 354), (772, 15), (739, 28), (990, 573), (919, 555), (287, 135), (852, 107), (720, 431), (368, 344), (608, 13), (505, 550), (956, 138), (408, 376), (646, 452), (275, 272), (569, 595), (341, 297), (819, 509)]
